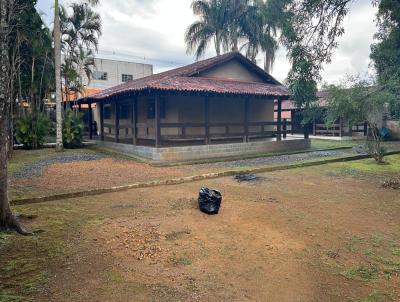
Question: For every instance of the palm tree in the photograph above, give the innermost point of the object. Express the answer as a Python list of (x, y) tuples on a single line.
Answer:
[(57, 67), (212, 26), (239, 14), (260, 27), (57, 56), (80, 34)]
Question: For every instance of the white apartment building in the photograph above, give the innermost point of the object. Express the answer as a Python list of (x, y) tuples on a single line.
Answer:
[(108, 73)]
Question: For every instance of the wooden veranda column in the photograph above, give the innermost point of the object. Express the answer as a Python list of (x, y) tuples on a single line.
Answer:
[(134, 120), (341, 127), (90, 120), (365, 129), (207, 120), (279, 124), (350, 129), (116, 110), (284, 128), (157, 121), (306, 134), (246, 120), (314, 127), (101, 108)]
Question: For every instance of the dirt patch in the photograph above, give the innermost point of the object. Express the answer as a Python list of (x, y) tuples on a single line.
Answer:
[(304, 235), (141, 241)]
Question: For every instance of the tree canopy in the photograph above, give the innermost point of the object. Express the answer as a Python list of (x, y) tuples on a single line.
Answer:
[(386, 52)]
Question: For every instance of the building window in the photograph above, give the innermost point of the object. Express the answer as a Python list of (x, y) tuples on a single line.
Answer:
[(151, 108), (107, 112), (127, 77), (100, 75)]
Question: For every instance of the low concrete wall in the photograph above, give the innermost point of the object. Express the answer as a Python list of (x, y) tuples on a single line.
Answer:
[(188, 153)]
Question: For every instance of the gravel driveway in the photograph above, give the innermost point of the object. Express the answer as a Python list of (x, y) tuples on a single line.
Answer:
[(36, 168), (280, 159)]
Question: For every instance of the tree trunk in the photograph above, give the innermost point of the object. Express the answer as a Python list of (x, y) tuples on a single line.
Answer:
[(41, 77), (267, 63), (57, 63), (217, 43)]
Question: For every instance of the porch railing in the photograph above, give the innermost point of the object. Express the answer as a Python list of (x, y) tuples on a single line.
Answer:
[(197, 131)]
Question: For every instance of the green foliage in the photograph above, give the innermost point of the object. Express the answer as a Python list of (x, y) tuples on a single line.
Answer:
[(73, 127), (357, 101), (302, 80), (212, 26), (386, 53), (376, 150), (364, 273), (32, 129), (80, 31), (31, 44), (310, 32), (234, 25)]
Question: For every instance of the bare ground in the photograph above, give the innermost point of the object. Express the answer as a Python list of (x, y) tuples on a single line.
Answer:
[(326, 233), (79, 170)]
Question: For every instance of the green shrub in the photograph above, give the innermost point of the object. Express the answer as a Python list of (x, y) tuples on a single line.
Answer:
[(73, 127), (375, 150), (32, 129)]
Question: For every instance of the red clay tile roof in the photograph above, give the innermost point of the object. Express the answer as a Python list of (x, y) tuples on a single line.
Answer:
[(322, 101), (185, 79)]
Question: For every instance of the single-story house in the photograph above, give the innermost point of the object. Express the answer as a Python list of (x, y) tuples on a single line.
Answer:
[(222, 106), (317, 126)]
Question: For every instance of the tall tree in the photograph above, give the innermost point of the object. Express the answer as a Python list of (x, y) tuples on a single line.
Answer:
[(310, 31), (234, 25), (57, 64), (9, 12), (386, 52), (57, 67), (212, 26), (262, 21), (80, 33)]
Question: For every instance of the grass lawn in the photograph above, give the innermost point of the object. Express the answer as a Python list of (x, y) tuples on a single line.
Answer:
[(321, 144), (326, 233)]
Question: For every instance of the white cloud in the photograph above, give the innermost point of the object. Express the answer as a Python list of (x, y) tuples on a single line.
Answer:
[(155, 29)]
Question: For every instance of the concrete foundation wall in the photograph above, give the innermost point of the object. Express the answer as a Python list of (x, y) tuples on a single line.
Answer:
[(175, 154)]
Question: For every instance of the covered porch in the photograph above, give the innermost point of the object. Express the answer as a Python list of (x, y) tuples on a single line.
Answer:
[(163, 120), (188, 126)]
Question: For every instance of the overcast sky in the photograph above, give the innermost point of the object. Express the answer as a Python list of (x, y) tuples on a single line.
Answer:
[(152, 31)]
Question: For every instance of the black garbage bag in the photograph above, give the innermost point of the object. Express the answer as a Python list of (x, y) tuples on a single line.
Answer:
[(209, 201)]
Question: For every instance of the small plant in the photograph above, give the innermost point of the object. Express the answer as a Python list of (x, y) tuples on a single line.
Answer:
[(375, 150), (364, 273), (73, 127), (183, 261), (175, 235), (32, 129)]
